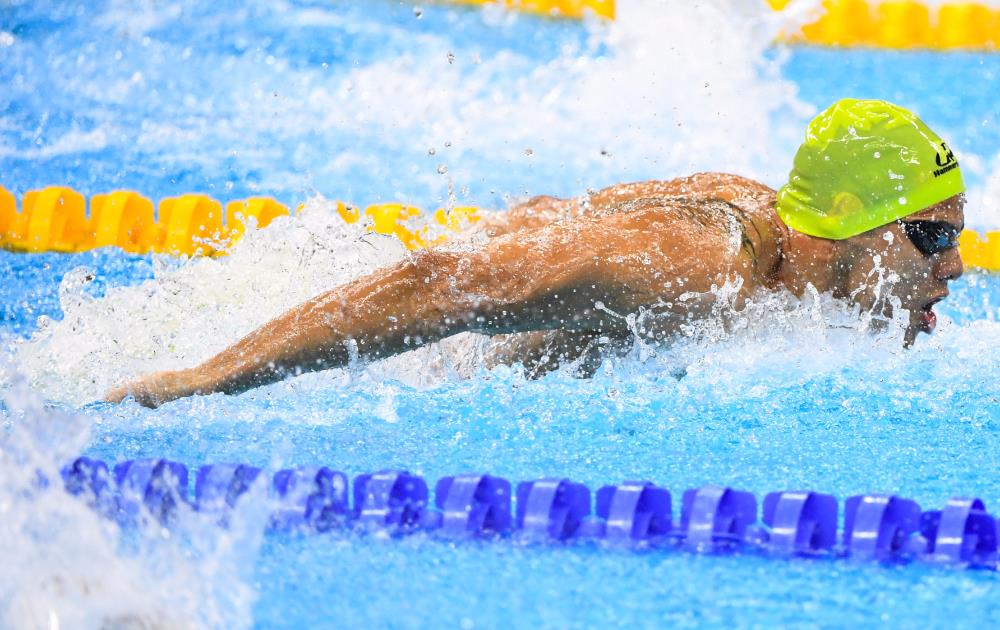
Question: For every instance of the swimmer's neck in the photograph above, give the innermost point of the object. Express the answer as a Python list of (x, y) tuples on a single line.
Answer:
[(805, 261)]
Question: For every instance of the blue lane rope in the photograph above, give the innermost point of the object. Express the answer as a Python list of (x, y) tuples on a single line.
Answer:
[(634, 513)]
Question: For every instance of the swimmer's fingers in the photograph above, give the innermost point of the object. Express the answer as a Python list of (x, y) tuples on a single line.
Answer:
[(117, 394), (148, 391)]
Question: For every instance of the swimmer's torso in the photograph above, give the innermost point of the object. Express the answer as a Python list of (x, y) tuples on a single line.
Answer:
[(703, 232)]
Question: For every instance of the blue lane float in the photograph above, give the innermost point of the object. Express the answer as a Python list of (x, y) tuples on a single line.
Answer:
[(154, 486), (218, 487), (309, 498), (800, 523), (471, 505), (551, 509), (633, 512), (713, 519)]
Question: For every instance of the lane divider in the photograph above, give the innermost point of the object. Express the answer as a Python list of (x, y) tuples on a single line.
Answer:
[(713, 519), (55, 219), (894, 24), (900, 24)]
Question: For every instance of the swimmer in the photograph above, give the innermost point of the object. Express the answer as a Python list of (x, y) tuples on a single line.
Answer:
[(872, 190)]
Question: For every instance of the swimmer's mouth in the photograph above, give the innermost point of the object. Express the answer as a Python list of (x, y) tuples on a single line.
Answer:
[(928, 318)]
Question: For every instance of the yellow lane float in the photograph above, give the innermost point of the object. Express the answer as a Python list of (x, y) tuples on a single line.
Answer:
[(262, 210), (349, 214), (187, 223), (8, 209), (54, 220), (395, 219), (123, 219)]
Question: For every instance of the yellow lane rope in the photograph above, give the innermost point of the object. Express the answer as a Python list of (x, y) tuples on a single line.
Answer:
[(900, 24), (55, 220), (897, 24)]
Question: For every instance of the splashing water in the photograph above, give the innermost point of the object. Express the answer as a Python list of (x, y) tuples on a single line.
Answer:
[(68, 567)]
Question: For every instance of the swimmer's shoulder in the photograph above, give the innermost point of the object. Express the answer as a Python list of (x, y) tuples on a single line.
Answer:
[(750, 195)]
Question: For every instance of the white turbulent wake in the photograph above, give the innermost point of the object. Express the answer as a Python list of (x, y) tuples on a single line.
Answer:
[(64, 566), (186, 315)]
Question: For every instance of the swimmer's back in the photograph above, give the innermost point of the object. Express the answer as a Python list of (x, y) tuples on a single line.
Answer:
[(753, 198)]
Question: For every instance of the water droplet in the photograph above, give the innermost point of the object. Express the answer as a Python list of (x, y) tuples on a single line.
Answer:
[(442, 169), (431, 151), (447, 144)]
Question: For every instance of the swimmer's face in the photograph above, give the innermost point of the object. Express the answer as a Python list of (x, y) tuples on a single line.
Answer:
[(918, 279)]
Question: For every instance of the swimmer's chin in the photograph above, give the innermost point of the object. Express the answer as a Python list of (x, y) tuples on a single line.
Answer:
[(915, 329)]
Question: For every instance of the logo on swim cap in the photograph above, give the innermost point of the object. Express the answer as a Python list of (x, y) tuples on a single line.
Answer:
[(948, 163), (864, 164)]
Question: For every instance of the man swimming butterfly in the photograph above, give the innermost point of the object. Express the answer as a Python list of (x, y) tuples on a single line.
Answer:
[(872, 188)]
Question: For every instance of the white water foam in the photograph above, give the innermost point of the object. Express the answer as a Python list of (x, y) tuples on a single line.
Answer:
[(66, 567)]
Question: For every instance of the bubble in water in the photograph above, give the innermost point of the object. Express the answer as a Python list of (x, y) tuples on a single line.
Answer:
[(442, 169), (451, 57), (418, 12)]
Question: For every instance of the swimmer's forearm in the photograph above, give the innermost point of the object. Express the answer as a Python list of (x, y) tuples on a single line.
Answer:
[(380, 315)]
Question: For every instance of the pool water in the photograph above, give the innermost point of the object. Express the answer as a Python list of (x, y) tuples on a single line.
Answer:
[(368, 101)]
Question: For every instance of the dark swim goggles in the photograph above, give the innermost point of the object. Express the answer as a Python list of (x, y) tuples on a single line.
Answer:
[(931, 237)]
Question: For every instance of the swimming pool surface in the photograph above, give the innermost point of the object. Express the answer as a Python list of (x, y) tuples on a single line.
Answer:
[(368, 101)]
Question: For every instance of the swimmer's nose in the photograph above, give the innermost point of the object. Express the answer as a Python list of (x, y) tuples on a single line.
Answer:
[(949, 265)]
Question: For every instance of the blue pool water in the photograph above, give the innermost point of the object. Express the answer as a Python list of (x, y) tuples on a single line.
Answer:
[(347, 100)]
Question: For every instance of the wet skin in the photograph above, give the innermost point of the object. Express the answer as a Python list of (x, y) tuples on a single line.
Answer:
[(576, 267)]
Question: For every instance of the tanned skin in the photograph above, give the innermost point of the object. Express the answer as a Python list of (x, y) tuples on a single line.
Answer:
[(575, 267)]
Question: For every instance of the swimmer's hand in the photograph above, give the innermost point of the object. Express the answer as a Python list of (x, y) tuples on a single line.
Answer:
[(153, 390)]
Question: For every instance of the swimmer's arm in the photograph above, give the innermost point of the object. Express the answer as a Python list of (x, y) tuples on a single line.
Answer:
[(571, 276)]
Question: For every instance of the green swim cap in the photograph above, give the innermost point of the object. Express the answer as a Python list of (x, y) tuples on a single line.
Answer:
[(865, 164)]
